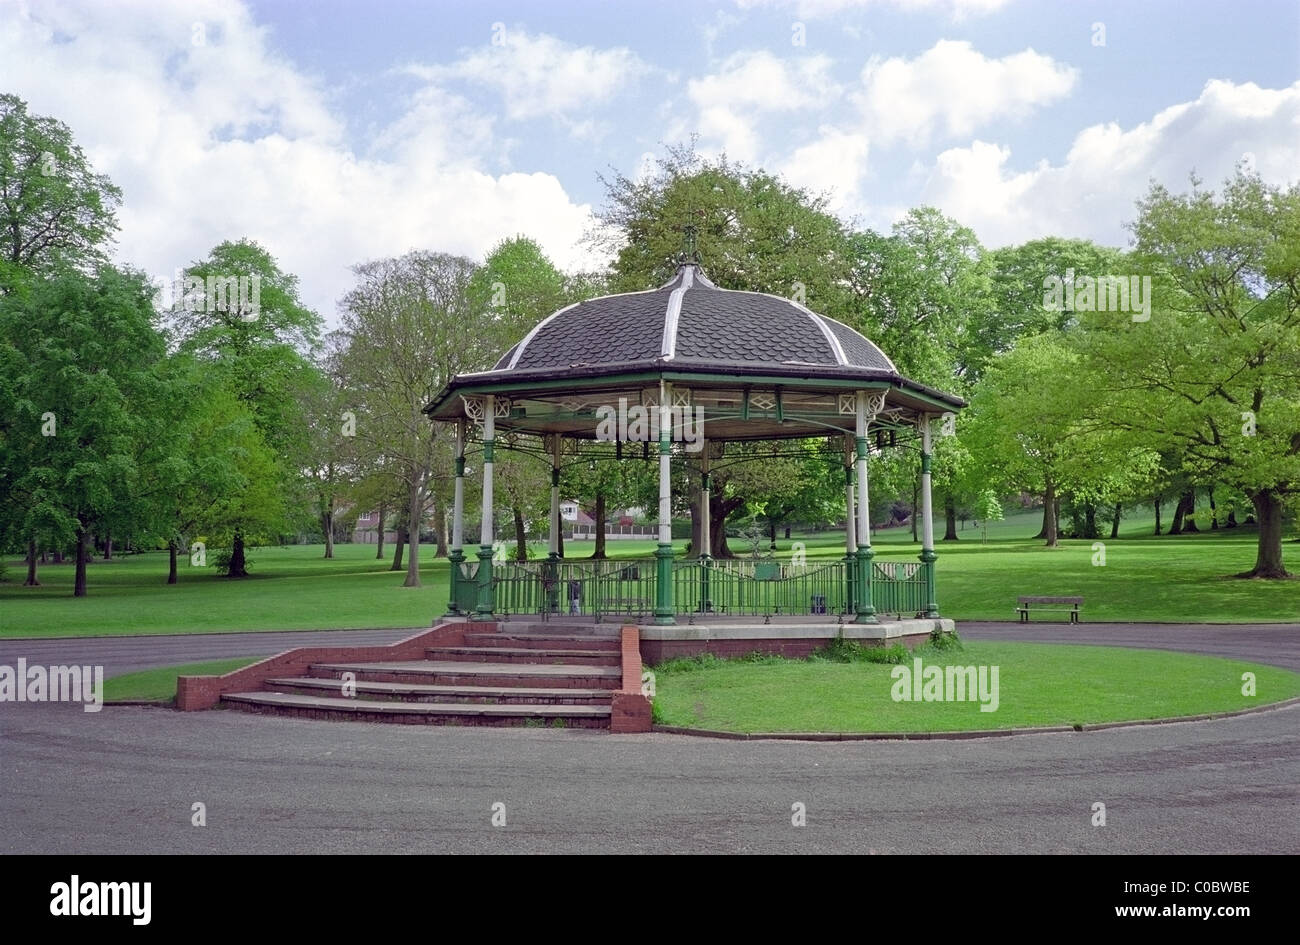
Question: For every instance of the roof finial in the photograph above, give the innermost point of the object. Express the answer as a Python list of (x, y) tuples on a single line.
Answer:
[(690, 252)]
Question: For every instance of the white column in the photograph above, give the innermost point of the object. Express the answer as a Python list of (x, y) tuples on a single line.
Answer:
[(705, 522), (927, 521), (850, 526), (487, 535), (555, 496), (863, 536), (665, 469), (458, 504)]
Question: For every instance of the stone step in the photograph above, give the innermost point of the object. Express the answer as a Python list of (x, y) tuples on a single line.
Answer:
[(417, 692), (319, 707), (542, 641), (523, 654), (609, 629), (472, 673)]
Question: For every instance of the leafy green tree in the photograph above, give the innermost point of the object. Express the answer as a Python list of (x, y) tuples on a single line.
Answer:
[(515, 288), (1019, 275), (200, 460), (1022, 427), (241, 315), (1214, 373), (407, 328), (88, 396), (752, 230), (55, 211)]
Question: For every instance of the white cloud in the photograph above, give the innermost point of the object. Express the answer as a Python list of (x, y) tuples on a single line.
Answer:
[(542, 76), (748, 86), (1092, 193), (956, 10), (835, 162), (953, 89), (229, 139)]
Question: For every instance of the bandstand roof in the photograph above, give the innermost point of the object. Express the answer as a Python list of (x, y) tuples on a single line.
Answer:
[(760, 366)]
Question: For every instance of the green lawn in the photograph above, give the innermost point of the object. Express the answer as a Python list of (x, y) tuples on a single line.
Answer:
[(160, 684), (1038, 684), (1180, 579)]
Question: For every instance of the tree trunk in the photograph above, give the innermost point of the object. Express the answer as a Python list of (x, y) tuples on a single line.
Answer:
[(57, 555), (559, 539), (171, 561), (108, 546), (1159, 501), (719, 509), (400, 542), (916, 497), (521, 535), (327, 525), (950, 518), (1214, 512), (787, 533), (83, 552), (440, 516), (1189, 517), (31, 565), (1090, 520), (1049, 520), (238, 561), (379, 549), (1114, 521), (599, 552), (1180, 512), (416, 516), (1268, 559), (1232, 519), (771, 534), (697, 516)]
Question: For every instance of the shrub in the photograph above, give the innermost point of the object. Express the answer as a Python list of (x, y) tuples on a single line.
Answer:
[(944, 641), (688, 664), (221, 560), (841, 650)]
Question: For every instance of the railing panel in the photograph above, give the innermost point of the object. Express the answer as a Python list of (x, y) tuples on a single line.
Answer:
[(898, 587), (741, 587)]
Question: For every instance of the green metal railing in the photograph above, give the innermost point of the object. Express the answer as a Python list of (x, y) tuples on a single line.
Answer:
[(898, 587), (759, 587), (576, 588), (741, 587)]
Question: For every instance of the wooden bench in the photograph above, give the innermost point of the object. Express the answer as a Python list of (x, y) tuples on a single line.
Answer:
[(1068, 605)]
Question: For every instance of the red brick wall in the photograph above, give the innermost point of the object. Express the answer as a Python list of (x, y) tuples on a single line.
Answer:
[(203, 692), (630, 710), (656, 651)]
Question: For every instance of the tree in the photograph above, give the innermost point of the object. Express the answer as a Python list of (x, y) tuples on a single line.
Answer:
[(1019, 276), (515, 288), (202, 459), (241, 315), (55, 211), (1023, 424), (753, 230), (408, 328), (88, 398), (1214, 372), (330, 456)]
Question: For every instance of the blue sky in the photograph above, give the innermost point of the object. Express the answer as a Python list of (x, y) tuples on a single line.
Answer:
[(336, 132)]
